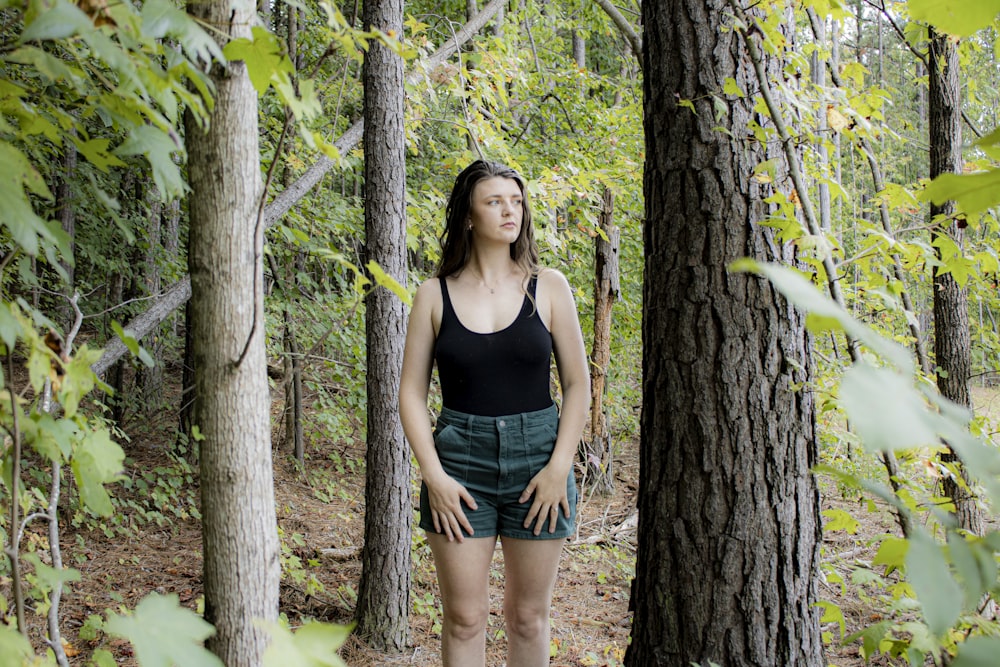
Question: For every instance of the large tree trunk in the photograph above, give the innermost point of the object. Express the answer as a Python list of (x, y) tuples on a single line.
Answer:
[(729, 525), (951, 311), (384, 593), (240, 540)]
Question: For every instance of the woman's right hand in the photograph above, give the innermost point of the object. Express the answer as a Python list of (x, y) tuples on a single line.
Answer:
[(446, 496)]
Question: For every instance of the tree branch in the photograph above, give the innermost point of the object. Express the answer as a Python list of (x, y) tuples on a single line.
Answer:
[(628, 32)]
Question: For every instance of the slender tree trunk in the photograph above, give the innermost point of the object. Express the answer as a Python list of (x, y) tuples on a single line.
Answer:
[(185, 443), (599, 451), (66, 207), (240, 541), (384, 593), (729, 526), (149, 381), (817, 71), (951, 309)]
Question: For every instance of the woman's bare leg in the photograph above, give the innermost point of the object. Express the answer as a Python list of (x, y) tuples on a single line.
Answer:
[(530, 569), (463, 570)]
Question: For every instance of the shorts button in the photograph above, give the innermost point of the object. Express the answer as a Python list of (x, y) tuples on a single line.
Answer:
[(502, 423)]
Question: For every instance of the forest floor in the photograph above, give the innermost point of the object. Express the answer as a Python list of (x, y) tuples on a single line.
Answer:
[(320, 514)]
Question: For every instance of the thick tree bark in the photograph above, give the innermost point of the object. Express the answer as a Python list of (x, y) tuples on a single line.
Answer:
[(384, 592), (240, 541), (729, 525), (951, 310)]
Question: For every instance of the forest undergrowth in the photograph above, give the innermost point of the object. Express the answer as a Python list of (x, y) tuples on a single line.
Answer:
[(153, 544)]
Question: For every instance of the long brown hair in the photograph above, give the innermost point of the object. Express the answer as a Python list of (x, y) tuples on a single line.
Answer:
[(456, 240)]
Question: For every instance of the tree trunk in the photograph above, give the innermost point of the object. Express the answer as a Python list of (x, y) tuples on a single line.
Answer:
[(149, 381), (599, 451), (66, 210), (951, 310), (384, 592), (729, 526), (240, 541)]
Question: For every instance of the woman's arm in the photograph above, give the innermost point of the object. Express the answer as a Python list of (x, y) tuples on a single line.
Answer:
[(549, 486), (445, 494)]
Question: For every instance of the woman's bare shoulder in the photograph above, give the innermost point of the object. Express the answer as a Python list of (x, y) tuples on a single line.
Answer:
[(550, 279)]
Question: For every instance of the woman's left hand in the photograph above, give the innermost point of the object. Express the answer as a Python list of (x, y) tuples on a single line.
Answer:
[(549, 490)]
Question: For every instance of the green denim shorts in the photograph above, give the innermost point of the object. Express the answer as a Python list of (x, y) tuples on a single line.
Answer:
[(494, 458)]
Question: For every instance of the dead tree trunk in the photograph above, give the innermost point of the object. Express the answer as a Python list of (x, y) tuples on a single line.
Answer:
[(599, 450)]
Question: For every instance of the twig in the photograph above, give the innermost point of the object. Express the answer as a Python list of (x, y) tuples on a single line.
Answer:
[(258, 237)]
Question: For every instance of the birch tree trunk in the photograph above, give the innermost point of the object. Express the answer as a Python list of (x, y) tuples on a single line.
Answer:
[(240, 542), (384, 592), (729, 525)]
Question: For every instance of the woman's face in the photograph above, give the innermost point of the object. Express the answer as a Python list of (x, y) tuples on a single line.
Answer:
[(497, 210)]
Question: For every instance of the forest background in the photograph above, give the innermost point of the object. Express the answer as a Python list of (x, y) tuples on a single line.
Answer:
[(99, 196)]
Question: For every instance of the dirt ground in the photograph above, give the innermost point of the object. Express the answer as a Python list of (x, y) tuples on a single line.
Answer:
[(320, 514)]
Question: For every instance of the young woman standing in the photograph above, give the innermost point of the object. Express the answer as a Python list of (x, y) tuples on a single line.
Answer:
[(499, 461)]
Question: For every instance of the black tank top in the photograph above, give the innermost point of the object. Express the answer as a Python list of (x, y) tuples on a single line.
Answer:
[(501, 373)]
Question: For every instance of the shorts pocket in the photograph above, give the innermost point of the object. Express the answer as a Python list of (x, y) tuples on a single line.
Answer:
[(452, 444), (539, 442)]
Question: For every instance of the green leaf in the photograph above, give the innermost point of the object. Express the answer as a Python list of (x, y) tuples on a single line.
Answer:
[(10, 327), (387, 281), (16, 214), (158, 147), (78, 380), (97, 461), (870, 638), (840, 520), (58, 21), (264, 57), (14, 647), (891, 553), (306, 105), (967, 567), (165, 634), (97, 153), (687, 104), (161, 19), (885, 409), (832, 614), (50, 576), (956, 18), (974, 192), (977, 652), (103, 658), (52, 438), (730, 87), (133, 345), (928, 573), (313, 645)]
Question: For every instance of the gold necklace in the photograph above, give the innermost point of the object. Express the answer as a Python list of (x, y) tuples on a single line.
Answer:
[(482, 281)]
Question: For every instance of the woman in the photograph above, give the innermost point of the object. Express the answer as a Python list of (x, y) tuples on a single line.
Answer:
[(500, 460)]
